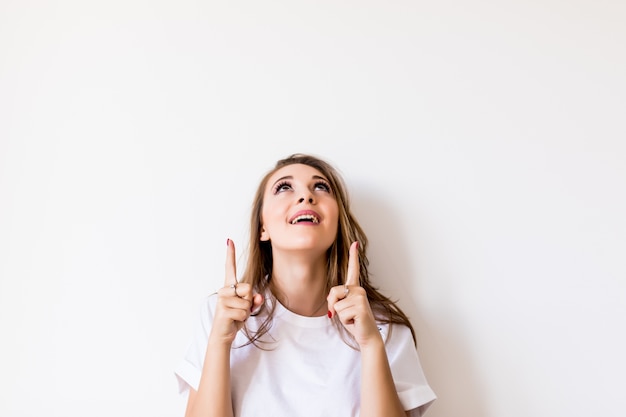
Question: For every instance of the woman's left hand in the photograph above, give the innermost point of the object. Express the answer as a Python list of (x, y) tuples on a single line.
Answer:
[(349, 302)]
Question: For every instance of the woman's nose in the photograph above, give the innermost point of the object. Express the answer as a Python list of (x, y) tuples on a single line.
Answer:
[(302, 200)]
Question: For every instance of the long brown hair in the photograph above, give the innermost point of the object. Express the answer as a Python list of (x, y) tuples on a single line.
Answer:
[(258, 269)]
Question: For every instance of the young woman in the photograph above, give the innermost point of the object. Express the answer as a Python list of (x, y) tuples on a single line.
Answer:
[(302, 332)]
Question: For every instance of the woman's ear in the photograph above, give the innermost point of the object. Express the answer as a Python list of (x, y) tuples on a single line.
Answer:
[(264, 235)]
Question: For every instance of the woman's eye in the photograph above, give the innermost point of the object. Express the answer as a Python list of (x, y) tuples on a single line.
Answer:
[(322, 186), (282, 187)]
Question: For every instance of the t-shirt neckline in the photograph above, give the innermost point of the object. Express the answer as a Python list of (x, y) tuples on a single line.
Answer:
[(283, 313)]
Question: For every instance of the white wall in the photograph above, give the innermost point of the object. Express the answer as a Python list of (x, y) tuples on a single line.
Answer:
[(484, 144)]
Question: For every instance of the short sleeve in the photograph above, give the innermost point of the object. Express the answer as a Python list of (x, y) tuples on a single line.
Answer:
[(189, 369), (413, 389)]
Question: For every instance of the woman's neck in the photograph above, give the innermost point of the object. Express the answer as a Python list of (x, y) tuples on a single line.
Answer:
[(300, 287)]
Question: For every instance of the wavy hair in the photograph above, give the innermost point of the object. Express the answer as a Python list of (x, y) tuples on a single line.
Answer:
[(258, 270)]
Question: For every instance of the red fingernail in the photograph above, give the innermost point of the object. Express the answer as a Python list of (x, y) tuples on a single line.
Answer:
[(227, 242), (357, 244), (330, 314)]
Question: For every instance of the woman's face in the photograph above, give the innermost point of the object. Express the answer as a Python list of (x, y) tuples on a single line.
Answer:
[(299, 211)]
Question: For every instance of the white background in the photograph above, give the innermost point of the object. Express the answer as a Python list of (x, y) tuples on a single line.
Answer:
[(483, 143)]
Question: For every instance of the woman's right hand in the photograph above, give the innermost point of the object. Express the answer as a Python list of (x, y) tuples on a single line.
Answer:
[(235, 302)]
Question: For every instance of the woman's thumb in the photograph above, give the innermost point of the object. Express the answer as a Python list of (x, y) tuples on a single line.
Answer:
[(257, 300)]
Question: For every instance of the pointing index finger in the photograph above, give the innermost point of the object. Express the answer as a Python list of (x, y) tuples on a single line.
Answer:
[(231, 267), (353, 265)]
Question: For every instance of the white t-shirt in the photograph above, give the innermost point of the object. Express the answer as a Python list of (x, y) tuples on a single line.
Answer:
[(309, 370)]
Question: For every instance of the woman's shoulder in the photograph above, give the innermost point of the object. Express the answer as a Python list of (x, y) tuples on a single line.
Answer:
[(206, 306), (394, 332)]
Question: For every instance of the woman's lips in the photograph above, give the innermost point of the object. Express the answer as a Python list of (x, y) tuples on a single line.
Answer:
[(305, 216)]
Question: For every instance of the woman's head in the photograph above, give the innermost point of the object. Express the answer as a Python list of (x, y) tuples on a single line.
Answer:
[(343, 232), (299, 212)]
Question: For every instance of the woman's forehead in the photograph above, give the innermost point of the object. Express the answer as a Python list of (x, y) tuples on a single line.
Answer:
[(295, 171)]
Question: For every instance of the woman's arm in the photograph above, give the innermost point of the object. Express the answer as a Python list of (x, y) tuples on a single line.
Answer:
[(378, 391), (213, 397)]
